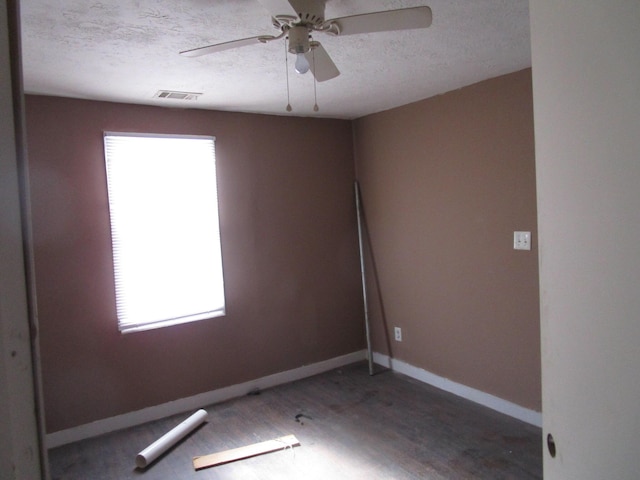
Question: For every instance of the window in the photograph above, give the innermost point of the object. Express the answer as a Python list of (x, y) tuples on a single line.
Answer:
[(163, 207)]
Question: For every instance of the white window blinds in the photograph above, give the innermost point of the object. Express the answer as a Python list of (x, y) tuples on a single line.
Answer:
[(163, 209)]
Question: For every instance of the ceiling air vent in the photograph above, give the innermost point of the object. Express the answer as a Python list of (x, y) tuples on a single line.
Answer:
[(177, 95)]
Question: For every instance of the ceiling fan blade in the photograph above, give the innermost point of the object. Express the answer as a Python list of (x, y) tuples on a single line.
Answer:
[(278, 7), (320, 63), (219, 47), (401, 19)]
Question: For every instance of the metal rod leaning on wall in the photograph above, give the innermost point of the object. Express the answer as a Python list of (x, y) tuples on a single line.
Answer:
[(362, 275)]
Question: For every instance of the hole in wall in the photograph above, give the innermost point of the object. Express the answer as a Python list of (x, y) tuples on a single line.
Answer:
[(551, 445)]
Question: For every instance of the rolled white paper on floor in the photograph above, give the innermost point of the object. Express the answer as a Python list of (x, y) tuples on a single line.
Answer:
[(169, 439)]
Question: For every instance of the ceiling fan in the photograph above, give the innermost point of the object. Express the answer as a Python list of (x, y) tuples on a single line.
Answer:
[(297, 20)]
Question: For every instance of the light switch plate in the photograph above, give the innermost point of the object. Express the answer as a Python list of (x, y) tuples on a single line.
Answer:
[(522, 240)]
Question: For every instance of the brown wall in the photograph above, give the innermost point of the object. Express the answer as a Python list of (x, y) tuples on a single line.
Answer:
[(445, 182), (289, 248)]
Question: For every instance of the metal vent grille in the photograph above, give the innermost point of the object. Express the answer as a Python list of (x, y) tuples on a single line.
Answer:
[(177, 95)]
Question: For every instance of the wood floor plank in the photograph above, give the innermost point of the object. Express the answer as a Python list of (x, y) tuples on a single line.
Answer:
[(351, 426)]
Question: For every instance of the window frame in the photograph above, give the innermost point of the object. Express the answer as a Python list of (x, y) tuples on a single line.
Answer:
[(216, 304)]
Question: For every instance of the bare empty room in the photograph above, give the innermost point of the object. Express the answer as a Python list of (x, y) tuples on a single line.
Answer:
[(393, 329)]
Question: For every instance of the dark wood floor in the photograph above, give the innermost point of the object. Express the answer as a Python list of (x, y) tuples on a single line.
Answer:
[(355, 426)]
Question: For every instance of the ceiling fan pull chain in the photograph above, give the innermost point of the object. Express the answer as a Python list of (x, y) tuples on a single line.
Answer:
[(286, 67), (315, 92)]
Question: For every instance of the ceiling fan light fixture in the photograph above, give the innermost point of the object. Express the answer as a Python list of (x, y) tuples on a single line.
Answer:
[(296, 20), (299, 45), (302, 64), (299, 39)]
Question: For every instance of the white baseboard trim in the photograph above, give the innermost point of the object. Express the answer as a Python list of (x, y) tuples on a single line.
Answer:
[(195, 402), (495, 403)]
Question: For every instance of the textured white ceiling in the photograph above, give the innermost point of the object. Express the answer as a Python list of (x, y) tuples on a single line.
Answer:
[(127, 51)]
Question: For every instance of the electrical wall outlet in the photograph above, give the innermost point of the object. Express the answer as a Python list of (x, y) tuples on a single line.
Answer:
[(397, 332), (522, 240)]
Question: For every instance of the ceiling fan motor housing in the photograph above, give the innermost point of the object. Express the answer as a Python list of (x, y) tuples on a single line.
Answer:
[(310, 12)]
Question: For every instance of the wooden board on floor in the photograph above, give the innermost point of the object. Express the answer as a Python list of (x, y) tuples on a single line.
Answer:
[(232, 455)]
